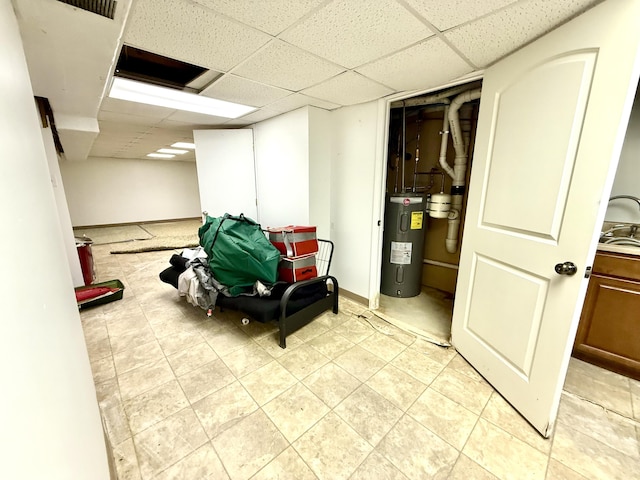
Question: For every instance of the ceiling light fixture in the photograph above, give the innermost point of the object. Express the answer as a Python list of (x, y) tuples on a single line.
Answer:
[(172, 150), (160, 155), (130, 90), (190, 146)]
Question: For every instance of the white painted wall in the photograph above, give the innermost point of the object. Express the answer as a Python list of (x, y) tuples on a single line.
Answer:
[(282, 169), (49, 415), (63, 209), (320, 148), (226, 177), (102, 191), (352, 194), (627, 181)]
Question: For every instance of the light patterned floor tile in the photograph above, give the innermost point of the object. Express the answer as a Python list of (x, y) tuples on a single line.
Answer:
[(154, 405), (354, 330), (495, 450), (286, 466), (167, 442), (103, 369), (331, 384), (144, 378), (440, 354), (559, 471), (137, 356), (246, 359), (467, 469), (398, 387), (609, 390), (295, 411), (187, 360), (303, 361), (271, 344), (126, 461), (227, 340), (500, 413), (369, 414), (446, 418), (607, 427), (332, 448), (383, 346), (418, 365), (360, 363), (254, 433), (205, 380), (462, 389), (224, 408), (202, 464), (416, 451), (311, 331), (379, 468), (589, 457), (331, 344), (267, 382)]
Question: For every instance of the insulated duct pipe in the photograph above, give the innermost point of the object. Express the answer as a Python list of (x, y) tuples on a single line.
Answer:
[(459, 171)]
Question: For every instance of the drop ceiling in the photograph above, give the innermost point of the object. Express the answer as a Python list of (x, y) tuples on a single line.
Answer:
[(275, 55)]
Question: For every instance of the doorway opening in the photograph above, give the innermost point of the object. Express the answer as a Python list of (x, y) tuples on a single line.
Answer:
[(429, 150)]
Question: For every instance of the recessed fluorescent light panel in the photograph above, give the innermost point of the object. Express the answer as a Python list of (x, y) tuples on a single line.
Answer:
[(130, 90), (160, 155), (190, 146), (175, 151)]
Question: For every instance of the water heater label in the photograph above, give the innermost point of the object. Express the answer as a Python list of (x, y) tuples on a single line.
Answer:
[(416, 220), (400, 253)]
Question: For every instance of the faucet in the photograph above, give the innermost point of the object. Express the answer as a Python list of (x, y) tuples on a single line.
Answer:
[(628, 197)]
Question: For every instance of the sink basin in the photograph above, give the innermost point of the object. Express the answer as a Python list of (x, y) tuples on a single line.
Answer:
[(629, 241)]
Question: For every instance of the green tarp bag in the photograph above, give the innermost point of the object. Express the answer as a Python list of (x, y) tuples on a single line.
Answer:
[(239, 252)]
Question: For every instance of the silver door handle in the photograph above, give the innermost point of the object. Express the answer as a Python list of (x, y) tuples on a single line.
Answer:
[(566, 268)]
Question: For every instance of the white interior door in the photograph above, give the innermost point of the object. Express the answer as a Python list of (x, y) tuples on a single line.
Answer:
[(226, 172), (551, 126)]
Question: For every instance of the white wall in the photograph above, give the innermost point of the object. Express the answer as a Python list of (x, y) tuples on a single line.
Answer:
[(63, 209), (282, 169), (352, 194), (50, 423), (102, 191), (627, 181), (320, 148)]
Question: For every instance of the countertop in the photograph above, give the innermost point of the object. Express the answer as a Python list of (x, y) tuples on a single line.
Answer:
[(626, 249)]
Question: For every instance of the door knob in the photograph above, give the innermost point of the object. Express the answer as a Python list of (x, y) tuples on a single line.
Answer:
[(566, 268)]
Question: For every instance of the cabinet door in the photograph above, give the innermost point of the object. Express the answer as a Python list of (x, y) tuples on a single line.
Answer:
[(608, 332)]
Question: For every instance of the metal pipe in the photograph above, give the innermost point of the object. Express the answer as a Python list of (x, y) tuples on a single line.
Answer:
[(437, 263)]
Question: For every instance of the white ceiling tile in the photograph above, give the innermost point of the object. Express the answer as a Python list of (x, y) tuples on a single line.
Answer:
[(297, 100), (491, 38), (286, 66), (351, 33), (240, 90), (348, 88), (254, 117), (192, 33), (447, 14), (271, 16), (428, 64)]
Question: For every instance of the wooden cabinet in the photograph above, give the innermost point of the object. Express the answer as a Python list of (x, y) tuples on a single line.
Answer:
[(609, 330)]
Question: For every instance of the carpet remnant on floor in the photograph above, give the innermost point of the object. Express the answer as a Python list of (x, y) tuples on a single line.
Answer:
[(158, 243)]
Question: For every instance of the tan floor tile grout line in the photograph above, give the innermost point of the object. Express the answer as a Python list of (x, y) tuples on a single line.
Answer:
[(605, 409)]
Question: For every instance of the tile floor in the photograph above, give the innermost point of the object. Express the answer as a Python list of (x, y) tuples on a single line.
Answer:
[(184, 396)]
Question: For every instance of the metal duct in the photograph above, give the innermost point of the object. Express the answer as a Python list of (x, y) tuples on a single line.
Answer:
[(104, 8)]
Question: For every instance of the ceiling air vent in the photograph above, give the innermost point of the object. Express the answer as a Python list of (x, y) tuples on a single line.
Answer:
[(105, 8)]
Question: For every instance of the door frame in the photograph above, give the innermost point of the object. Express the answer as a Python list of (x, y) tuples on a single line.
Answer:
[(380, 176)]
